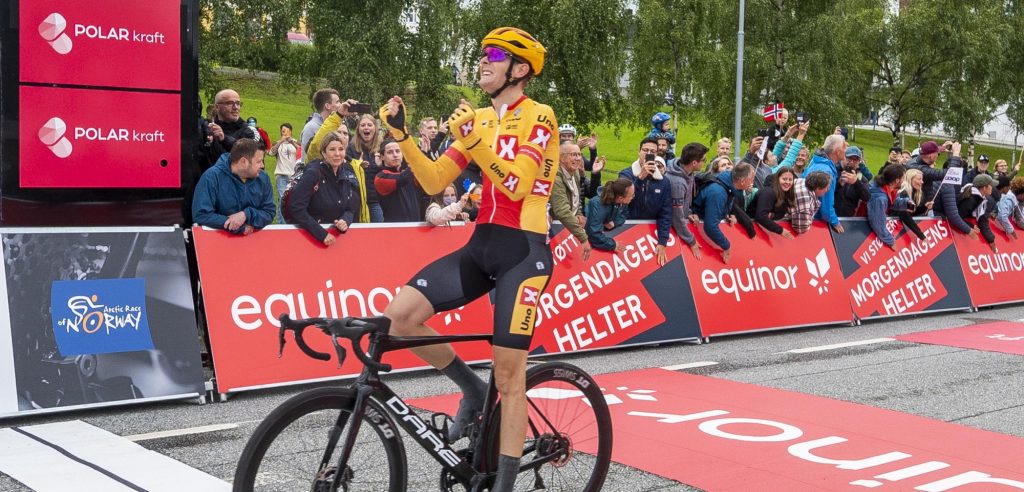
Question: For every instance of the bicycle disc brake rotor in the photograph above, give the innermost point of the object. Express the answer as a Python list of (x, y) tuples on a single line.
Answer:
[(324, 478), (558, 445)]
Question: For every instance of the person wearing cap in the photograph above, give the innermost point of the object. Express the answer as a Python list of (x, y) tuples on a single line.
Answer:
[(925, 162), (1011, 205), (827, 160), (976, 202), (980, 168), (852, 192), (905, 157)]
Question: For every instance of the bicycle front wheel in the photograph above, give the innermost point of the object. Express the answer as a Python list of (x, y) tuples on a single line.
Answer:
[(569, 434), (286, 450)]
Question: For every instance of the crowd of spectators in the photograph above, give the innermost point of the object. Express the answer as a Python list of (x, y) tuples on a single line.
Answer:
[(328, 178)]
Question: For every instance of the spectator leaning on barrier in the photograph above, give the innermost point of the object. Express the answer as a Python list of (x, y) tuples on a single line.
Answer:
[(852, 193), (1011, 207), (235, 194), (288, 153), (336, 123), (809, 191), (826, 160), (653, 200), (945, 205), (721, 198), (885, 199), (567, 193), (680, 177), (400, 196), (774, 201), (365, 148), (608, 211), (912, 183), (227, 126), (328, 191), (925, 162), (976, 202), (325, 102), (446, 206)]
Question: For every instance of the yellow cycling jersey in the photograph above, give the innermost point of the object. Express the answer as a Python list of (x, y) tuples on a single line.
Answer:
[(518, 154)]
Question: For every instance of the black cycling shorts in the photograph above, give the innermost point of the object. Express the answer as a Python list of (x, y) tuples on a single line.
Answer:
[(515, 264)]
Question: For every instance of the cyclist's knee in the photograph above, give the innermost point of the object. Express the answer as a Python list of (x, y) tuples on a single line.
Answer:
[(408, 310), (510, 371)]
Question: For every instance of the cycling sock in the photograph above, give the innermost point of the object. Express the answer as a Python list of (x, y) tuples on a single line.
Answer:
[(505, 479), (472, 386), (474, 392)]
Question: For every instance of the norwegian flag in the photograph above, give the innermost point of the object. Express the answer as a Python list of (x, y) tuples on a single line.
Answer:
[(773, 111)]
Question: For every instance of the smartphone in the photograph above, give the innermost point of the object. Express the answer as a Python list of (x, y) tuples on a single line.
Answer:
[(801, 117), (762, 133), (361, 108)]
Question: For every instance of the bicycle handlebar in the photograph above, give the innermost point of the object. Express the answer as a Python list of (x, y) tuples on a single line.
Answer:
[(353, 329)]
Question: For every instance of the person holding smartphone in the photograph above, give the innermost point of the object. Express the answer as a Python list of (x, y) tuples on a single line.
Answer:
[(653, 193)]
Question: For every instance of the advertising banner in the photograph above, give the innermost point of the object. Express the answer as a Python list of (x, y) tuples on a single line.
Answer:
[(920, 275), (109, 43), (96, 317), (769, 281), (994, 275), (615, 299), (248, 281), (81, 143)]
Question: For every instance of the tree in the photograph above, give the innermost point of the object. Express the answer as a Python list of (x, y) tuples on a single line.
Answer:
[(585, 42)]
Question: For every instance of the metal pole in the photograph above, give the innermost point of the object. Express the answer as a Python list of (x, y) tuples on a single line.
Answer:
[(738, 142)]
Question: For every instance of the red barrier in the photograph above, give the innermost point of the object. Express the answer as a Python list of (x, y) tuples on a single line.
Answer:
[(769, 282), (614, 300), (993, 276), (248, 281)]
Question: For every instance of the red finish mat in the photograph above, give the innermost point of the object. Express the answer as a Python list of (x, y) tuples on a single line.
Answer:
[(1004, 336), (726, 436)]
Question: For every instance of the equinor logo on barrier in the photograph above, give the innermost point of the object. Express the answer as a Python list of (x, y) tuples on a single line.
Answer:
[(753, 278), (100, 316)]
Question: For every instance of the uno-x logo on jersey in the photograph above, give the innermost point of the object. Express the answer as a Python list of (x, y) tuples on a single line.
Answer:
[(529, 296), (508, 147), (540, 136), (52, 136), (52, 31), (511, 182), (524, 315), (542, 188), (466, 128)]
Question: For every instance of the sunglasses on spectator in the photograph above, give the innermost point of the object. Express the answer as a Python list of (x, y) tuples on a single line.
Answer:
[(495, 54)]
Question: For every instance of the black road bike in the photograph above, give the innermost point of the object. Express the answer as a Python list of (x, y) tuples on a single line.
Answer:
[(346, 438)]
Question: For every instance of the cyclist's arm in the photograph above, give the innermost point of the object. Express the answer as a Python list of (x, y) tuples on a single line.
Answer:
[(536, 157), (433, 175)]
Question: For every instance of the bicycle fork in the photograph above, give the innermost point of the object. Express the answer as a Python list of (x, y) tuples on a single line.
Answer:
[(358, 412)]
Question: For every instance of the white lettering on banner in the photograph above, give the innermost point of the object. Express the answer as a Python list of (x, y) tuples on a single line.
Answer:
[(908, 296), (733, 281), (876, 281), (811, 451), (993, 263), (583, 331), (331, 303), (119, 34), (581, 285), (118, 135), (892, 225)]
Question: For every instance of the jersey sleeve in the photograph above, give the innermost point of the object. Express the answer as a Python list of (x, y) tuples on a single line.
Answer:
[(433, 175), (536, 157)]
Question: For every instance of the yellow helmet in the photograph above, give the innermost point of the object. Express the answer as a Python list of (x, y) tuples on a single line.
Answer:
[(520, 43)]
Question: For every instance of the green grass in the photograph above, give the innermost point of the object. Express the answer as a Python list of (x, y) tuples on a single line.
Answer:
[(272, 103)]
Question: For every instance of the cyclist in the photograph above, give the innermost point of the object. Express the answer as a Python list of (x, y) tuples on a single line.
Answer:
[(515, 143)]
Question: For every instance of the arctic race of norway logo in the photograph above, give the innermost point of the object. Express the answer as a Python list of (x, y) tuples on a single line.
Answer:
[(53, 30), (100, 316)]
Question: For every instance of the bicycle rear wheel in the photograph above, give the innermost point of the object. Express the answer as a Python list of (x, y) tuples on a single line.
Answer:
[(569, 431), (286, 449)]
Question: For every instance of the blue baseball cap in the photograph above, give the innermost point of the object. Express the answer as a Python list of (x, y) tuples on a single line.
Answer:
[(854, 151)]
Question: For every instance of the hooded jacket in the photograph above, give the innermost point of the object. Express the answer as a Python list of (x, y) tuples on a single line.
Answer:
[(879, 205), (713, 203), (932, 175), (821, 162), (597, 215), (653, 200), (682, 184), (321, 197), (221, 193)]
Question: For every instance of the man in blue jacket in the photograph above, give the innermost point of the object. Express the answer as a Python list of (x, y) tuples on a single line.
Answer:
[(653, 193), (720, 200), (827, 160), (235, 194)]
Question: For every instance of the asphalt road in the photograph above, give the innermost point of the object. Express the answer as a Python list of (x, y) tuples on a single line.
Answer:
[(978, 389)]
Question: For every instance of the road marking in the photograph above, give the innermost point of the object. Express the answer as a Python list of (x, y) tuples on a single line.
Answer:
[(691, 365), (181, 432), (837, 346), (49, 457)]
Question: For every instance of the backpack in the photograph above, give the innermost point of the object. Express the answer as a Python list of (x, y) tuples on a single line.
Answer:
[(702, 179), (300, 169)]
